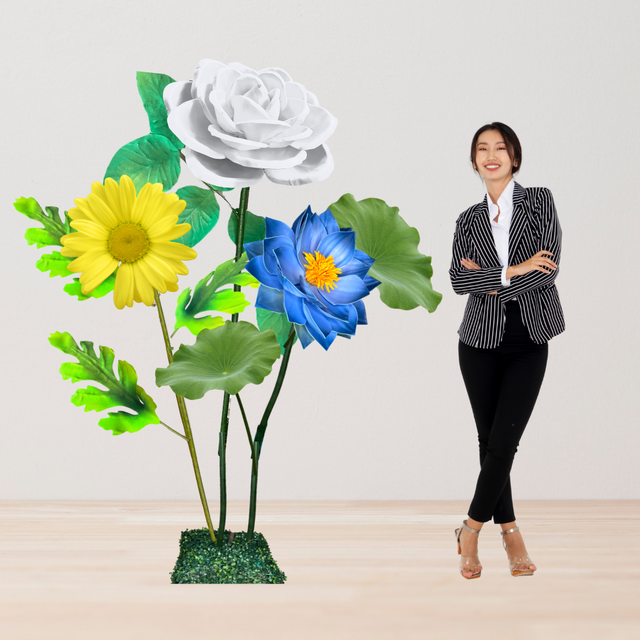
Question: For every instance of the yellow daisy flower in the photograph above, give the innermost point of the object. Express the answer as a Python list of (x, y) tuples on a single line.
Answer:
[(114, 227)]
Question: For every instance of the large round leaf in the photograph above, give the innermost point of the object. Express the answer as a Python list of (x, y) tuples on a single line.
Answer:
[(202, 213), (381, 233), (152, 158), (227, 358)]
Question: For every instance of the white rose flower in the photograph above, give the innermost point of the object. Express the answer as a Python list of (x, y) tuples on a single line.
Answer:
[(237, 123)]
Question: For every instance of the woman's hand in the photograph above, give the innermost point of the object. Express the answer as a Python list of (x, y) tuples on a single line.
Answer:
[(470, 264), (536, 263)]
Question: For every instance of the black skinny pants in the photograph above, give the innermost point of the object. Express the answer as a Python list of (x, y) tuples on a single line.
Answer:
[(503, 385)]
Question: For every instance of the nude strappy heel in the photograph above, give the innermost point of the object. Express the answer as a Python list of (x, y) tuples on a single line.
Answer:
[(521, 561), (468, 563)]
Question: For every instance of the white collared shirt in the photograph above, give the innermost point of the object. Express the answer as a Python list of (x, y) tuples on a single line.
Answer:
[(501, 228)]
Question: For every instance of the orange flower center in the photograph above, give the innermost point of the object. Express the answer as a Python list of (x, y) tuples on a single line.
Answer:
[(320, 271)]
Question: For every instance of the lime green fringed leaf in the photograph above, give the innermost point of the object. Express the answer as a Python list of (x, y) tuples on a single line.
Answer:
[(381, 233), (122, 391), (202, 213), (226, 358), (150, 88), (208, 297), (75, 288), (276, 322), (151, 158), (55, 263), (254, 227), (54, 226)]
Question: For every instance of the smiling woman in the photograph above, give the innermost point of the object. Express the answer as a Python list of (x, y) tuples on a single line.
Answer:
[(512, 312)]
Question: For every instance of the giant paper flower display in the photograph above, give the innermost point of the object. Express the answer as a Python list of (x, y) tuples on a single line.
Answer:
[(313, 273), (238, 124), (114, 226)]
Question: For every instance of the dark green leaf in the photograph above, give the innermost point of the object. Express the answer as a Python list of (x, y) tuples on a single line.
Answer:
[(276, 322), (151, 158), (202, 213), (122, 391), (208, 297), (150, 88), (381, 233), (254, 227), (226, 358), (54, 226)]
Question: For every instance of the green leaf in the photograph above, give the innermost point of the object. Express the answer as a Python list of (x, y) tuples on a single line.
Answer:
[(404, 272), (276, 322), (254, 227), (151, 158), (56, 263), (227, 358), (75, 288), (208, 297), (150, 88), (54, 226), (213, 186), (202, 213), (122, 391)]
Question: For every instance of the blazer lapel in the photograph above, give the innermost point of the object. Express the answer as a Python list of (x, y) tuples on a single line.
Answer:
[(519, 220), (482, 236)]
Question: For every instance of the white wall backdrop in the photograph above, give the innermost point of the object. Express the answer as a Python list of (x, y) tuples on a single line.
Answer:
[(385, 415)]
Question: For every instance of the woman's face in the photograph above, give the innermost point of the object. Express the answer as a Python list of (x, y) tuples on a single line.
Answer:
[(492, 159)]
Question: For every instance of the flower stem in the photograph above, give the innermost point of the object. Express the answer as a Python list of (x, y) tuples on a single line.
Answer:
[(248, 430), (174, 431), (185, 423), (224, 423), (262, 427)]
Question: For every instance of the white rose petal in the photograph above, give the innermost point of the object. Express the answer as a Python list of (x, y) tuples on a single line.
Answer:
[(221, 173), (281, 158), (317, 166), (322, 125), (175, 94), (190, 124)]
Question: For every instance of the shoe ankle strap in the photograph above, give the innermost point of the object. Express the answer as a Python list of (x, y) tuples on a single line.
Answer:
[(502, 533), (469, 529)]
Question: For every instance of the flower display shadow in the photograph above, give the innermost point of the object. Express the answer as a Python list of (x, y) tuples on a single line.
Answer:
[(237, 562)]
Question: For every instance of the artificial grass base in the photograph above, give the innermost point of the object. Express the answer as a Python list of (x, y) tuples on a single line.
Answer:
[(237, 562)]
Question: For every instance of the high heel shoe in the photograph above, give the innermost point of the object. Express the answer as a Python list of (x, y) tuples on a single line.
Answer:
[(522, 561), (468, 563)]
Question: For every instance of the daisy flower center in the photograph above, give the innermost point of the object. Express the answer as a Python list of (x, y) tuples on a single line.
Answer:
[(128, 242), (320, 271)]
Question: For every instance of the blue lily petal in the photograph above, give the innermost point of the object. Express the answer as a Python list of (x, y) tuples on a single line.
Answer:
[(346, 229), (363, 257), (318, 318), (290, 266), (297, 223), (292, 288), (339, 311), (270, 299), (323, 340), (303, 335), (311, 233), (276, 228), (347, 291), (256, 268), (254, 249), (340, 245), (270, 261), (347, 326), (358, 305), (293, 306), (355, 268), (370, 282), (329, 221)]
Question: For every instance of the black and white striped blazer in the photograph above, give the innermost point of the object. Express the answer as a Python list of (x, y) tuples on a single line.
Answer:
[(534, 226)]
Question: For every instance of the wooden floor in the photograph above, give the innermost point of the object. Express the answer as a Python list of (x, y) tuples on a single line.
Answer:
[(356, 571)]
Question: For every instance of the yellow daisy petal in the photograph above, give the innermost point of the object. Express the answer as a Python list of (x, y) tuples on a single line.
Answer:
[(176, 265), (90, 228), (85, 260), (143, 289), (174, 233), (98, 271), (102, 209), (173, 250), (123, 290), (161, 226), (152, 275), (81, 242)]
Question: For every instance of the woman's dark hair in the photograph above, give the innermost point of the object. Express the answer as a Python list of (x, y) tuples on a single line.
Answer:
[(511, 140)]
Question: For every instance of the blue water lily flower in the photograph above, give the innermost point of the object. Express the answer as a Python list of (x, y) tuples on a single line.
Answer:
[(313, 272)]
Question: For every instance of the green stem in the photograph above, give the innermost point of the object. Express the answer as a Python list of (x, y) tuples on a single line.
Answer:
[(174, 431), (222, 453), (262, 427), (224, 423), (185, 423), (248, 430)]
